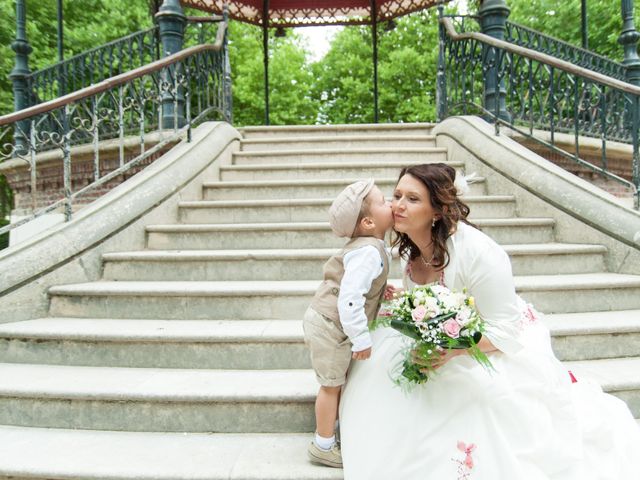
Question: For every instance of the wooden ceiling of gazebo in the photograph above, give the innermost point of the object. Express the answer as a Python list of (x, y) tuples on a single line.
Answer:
[(297, 13)]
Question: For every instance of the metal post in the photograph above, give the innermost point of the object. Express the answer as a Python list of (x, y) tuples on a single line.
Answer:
[(629, 40), (493, 18), (62, 88), (441, 81), (171, 20), (265, 51), (374, 34), (228, 93), (585, 32), (20, 77)]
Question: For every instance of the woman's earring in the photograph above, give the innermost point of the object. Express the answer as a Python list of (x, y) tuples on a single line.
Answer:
[(433, 223)]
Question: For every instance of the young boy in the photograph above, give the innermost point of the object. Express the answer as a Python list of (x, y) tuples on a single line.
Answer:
[(336, 323)]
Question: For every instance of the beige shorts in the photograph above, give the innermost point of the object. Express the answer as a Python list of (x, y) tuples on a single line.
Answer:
[(330, 348)]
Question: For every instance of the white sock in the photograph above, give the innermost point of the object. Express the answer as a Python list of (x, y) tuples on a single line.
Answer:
[(325, 443)]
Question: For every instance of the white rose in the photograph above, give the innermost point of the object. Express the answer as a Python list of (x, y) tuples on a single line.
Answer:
[(432, 306), (439, 290), (463, 317)]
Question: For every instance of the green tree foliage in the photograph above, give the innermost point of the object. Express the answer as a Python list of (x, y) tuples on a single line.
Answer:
[(407, 63), (343, 78), (562, 20), (87, 24), (290, 77)]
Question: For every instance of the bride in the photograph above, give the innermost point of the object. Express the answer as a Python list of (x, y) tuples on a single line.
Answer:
[(527, 420)]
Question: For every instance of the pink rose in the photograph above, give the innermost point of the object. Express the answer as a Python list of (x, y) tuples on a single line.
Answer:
[(451, 328), (418, 313)]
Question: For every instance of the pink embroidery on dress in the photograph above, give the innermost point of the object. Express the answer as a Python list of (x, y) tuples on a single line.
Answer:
[(528, 315), (465, 466)]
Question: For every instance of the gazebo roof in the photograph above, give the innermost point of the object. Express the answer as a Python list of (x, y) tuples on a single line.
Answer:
[(297, 13)]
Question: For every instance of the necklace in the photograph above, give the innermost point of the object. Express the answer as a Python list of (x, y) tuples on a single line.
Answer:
[(425, 263)]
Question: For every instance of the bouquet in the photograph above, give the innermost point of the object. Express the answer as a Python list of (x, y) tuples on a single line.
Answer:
[(436, 319)]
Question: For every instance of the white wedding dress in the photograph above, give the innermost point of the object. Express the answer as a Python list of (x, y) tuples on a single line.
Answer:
[(527, 420)]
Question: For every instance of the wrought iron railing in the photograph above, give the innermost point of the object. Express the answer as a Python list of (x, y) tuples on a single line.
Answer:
[(528, 90), (529, 38), (95, 65), (111, 59), (172, 94)]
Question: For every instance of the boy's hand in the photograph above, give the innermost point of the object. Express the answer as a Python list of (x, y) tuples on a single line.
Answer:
[(390, 291), (362, 354)]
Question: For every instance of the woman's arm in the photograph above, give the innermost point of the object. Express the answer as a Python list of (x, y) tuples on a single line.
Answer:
[(488, 278), (490, 282)]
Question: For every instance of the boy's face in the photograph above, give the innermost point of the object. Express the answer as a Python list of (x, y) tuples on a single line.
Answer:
[(380, 211)]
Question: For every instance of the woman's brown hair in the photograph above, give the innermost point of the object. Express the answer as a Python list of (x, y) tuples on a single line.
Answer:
[(438, 178)]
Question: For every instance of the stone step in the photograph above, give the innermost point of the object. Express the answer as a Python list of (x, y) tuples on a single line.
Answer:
[(343, 142), (157, 399), (306, 264), (327, 188), (593, 335), (398, 155), (588, 292), (618, 376), (190, 400), (215, 344), (314, 234), (255, 344), (49, 453), (222, 300), (329, 131), (285, 300), (310, 210), (324, 170)]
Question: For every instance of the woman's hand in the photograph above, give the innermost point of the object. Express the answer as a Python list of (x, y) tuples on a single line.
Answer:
[(446, 356), (438, 362)]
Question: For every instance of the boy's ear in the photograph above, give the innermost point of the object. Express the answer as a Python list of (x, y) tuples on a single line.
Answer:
[(367, 223)]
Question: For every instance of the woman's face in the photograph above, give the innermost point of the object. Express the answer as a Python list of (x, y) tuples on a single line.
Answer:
[(411, 206)]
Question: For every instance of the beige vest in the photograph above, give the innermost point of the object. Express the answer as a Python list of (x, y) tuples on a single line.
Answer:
[(325, 300)]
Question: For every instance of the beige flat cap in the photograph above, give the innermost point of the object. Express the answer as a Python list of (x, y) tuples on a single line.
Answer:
[(345, 209)]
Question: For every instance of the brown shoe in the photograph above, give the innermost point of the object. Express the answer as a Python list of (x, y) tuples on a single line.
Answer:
[(330, 458)]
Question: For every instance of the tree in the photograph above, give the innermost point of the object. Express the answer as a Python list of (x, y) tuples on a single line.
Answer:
[(290, 78), (562, 20), (83, 29), (407, 64)]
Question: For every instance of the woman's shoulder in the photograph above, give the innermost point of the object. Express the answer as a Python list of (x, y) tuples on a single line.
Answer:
[(468, 233), (470, 240)]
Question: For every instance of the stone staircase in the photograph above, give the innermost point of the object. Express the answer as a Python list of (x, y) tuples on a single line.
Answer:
[(186, 361)]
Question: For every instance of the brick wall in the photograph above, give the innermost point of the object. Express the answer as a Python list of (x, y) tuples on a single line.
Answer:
[(616, 164), (49, 179)]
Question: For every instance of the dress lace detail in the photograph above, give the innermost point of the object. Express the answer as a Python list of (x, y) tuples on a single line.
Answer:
[(409, 275)]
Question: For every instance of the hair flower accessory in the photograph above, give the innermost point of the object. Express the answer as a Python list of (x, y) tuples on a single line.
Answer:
[(462, 182)]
